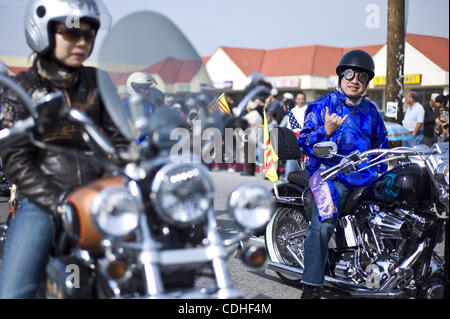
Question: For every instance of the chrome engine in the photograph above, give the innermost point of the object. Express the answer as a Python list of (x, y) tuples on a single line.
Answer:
[(379, 242)]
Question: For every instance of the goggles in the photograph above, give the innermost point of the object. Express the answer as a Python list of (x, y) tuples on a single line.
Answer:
[(349, 74), (141, 86), (75, 34)]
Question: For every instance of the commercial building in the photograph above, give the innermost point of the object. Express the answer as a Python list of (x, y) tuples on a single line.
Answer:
[(312, 68), (308, 68)]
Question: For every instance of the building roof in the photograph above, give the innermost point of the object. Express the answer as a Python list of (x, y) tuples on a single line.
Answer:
[(322, 60), (170, 70), (248, 60), (17, 69), (434, 48)]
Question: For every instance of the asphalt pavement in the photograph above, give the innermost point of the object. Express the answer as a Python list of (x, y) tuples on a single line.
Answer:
[(256, 283)]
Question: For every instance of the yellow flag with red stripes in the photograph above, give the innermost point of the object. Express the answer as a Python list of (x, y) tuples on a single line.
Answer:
[(270, 157), (221, 105)]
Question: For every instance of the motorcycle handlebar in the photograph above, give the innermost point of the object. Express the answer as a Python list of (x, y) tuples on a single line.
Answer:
[(407, 151), (93, 135), (355, 158)]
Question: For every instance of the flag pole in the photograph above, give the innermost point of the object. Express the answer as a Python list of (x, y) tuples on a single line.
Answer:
[(275, 189)]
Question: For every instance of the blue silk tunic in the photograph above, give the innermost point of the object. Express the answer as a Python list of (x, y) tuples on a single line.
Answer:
[(362, 130)]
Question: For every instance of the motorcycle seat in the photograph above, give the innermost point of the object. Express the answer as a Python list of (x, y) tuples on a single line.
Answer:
[(300, 178)]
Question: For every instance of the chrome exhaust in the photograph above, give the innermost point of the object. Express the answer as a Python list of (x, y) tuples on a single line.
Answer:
[(345, 286)]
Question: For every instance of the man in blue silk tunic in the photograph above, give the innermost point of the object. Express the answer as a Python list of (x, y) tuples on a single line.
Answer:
[(353, 123)]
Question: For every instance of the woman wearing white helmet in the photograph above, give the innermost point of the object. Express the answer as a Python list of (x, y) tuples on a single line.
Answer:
[(62, 34)]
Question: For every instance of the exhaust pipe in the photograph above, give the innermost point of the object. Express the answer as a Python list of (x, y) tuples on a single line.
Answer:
[(343, 286)]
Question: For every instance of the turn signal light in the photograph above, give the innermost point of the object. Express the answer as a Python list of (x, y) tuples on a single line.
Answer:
[(254, 256), (116, 269)]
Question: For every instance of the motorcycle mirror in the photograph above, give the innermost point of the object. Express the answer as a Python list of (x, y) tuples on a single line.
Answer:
[(325, 149), (257, 86), (256, 79), (252, 206)]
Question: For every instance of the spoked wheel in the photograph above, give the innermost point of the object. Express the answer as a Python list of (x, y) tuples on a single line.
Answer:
[(285, 240)]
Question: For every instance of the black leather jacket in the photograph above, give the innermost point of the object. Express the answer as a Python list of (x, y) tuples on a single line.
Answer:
[(42, 176)]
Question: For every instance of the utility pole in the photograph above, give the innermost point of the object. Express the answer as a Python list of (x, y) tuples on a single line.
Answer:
[(395, 57)]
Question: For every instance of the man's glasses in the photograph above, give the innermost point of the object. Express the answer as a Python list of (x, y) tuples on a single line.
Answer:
[(349, 74), (75, 34)]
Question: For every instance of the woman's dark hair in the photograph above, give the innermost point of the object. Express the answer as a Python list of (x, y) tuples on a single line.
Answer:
[(441, 99)]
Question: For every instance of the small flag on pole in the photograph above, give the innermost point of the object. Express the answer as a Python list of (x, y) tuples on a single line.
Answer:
[(270, 157), (295, 126), (220, 104)]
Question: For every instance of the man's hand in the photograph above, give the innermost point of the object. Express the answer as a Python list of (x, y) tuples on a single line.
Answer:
[(332, 122)]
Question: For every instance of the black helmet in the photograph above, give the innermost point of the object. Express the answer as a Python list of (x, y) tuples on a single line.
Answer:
[(357, 59)]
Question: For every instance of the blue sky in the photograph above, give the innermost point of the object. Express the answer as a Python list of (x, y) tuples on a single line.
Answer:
[(262, 24)]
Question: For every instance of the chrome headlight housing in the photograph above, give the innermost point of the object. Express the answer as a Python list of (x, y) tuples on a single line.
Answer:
[(182, 193), (115, 212), (252, 206)]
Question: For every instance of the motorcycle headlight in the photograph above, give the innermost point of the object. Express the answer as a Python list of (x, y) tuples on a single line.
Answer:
[(182, 193), (252, 206), (115, 212)]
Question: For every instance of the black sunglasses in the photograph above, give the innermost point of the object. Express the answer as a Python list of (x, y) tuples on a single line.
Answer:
[(75, 34), (349, 74)]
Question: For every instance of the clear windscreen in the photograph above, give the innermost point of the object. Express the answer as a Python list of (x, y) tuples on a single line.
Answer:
[(150, 75)]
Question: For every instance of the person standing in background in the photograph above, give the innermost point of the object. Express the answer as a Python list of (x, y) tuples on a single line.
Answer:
[(414, 119), (429, 121)]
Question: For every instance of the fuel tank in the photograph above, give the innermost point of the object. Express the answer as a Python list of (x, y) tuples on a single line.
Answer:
[(407, 186)]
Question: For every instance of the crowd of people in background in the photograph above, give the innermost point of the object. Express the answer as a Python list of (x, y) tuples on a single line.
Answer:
[(427, 123)]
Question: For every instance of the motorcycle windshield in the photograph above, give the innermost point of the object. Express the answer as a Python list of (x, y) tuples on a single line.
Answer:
[(150, 75)]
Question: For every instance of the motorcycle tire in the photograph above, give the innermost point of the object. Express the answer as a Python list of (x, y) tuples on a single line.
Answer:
[(286, 220)]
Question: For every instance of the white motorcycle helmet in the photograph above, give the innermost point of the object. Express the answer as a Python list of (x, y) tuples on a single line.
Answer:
[(40, 14), (138, 80)]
